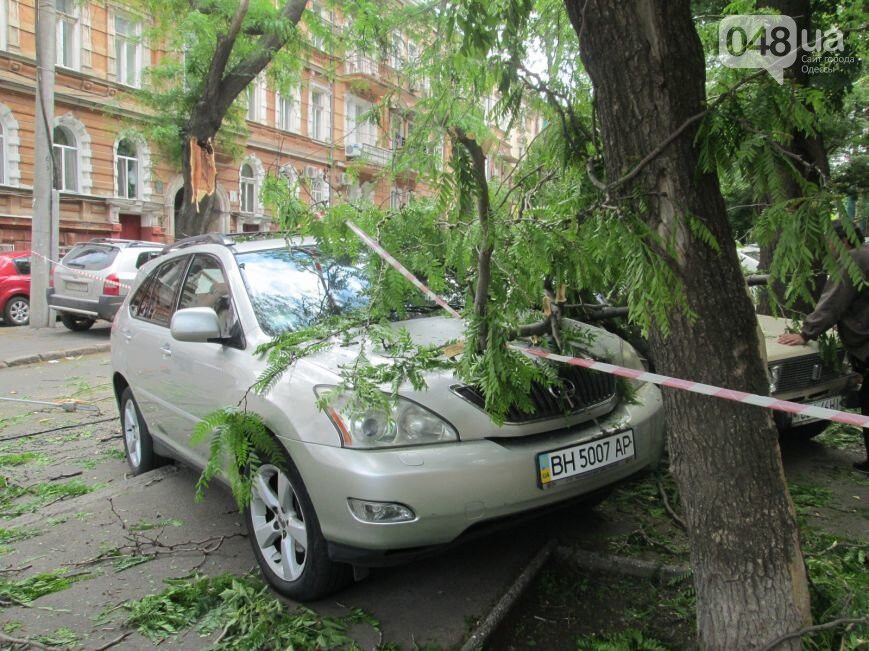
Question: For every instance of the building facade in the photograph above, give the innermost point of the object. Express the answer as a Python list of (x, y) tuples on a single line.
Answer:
[(113, 183)]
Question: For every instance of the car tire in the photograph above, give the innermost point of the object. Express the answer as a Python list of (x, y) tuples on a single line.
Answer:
[(281, 518), (17, 311), (804, 432), (138, 443), (76, 323)]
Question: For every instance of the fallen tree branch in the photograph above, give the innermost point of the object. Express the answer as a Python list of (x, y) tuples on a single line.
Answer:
[(26, 642), (676, 518), (842, 621)]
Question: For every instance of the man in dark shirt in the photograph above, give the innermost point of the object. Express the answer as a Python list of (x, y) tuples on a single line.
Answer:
[(846, 306)]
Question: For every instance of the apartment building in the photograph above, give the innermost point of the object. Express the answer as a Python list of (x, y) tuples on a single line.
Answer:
[(113, 183)]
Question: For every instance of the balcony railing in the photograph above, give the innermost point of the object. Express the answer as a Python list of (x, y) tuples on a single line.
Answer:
[(369, 153), (358, 64)]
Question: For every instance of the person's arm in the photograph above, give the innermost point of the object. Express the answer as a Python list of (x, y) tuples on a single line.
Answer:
[(834, 301)]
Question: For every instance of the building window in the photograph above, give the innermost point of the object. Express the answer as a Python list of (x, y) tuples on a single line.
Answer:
[(319, 190), (399, 198), (4, 24), (323, 19), (2, 156), (128, 51), (65, 161), (319, 120), (361, 125), (68, 34), (127, 169), (288, 112), (247, 187)]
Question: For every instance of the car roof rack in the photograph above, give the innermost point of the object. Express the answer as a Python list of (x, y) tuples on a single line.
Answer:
[(117, 240), (207, 238)]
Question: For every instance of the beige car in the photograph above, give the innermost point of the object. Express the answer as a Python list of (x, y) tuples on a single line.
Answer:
[(798, 374)]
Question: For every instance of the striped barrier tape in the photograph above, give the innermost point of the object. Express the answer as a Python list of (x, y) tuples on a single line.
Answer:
[(84, 273), (400, 268), (787, 406)]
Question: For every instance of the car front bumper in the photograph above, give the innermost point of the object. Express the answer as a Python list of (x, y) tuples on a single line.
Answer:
[(456, 487), (103, 308)]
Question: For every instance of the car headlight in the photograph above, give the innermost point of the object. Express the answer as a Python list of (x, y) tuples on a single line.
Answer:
[(407, 423), (775, 371)]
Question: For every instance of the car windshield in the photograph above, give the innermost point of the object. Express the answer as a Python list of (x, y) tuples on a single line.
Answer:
[(292, 288), (90, 256)]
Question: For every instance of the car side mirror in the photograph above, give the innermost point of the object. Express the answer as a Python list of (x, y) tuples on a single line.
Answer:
[(197, 324)]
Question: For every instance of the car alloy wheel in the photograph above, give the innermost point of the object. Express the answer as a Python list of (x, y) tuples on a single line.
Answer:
[(18, 311), (132, 434), (278, 523)]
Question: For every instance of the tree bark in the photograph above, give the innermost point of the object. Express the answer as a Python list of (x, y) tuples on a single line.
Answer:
[(222, 87), (646, 64)]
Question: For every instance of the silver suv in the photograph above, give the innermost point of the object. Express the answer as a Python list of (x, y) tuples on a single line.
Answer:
[(91, 280), (351, 488)]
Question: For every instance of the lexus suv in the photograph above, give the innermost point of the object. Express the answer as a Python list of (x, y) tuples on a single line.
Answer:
[(356, 487), (92, 280)]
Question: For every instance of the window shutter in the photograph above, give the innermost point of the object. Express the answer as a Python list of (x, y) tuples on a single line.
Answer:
[(111, 51), (262, 106), (310, 113), (328, 134), (14, 31), (86, 40), (278, 111)]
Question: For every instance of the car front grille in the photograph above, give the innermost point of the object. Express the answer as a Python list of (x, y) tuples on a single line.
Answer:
[(579, 390), (806, 372)]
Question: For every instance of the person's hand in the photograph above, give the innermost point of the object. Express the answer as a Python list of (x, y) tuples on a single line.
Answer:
[(790, 339)]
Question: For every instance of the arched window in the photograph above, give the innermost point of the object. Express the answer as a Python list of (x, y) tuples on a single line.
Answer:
[(2, 156), (65, 160), (247, 186), (127, 169)]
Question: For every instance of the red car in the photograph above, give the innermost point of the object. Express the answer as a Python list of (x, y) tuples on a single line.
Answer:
[(15, 287)]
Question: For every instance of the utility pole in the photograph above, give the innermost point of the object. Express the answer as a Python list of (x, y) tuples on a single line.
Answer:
[(45, 223)]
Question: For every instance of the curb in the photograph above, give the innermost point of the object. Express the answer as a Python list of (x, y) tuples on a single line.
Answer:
[(55, 354), (505, 604)]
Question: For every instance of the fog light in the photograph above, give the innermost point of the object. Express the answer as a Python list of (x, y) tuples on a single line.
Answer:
[(380, 512)]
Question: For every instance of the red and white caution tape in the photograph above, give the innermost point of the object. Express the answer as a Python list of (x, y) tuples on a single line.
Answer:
[(707, 389), (82, 272), (632, 373), (400, 268)]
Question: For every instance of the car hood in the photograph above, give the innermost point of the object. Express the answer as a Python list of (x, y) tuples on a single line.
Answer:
[(469, 420), (772, 328)]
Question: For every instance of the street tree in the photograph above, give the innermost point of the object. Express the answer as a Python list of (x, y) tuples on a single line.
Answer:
[(214, 51)]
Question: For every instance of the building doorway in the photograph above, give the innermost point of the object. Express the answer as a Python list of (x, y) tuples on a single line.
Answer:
[(131, 227)]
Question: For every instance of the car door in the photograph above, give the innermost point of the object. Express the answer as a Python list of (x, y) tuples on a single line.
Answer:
[(147, 345), (210, 375)]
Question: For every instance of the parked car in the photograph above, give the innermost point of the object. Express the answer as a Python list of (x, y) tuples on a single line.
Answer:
[(92, 279), (351, 488), (800, 374), (15, 287)]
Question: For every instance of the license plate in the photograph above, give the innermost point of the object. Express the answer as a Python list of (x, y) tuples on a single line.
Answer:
[(584, 458), (75, 286), (834, 402)]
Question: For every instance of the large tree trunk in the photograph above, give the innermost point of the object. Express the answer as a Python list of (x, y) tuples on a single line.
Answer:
[(646, 64), (195, 217)]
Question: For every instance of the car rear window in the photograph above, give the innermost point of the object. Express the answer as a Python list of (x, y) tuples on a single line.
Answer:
[(92, 257)]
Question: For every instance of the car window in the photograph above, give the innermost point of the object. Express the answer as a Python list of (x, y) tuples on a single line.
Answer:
[(155, 300), (92, 257), (205, 286), (22, 265), (295, 288)]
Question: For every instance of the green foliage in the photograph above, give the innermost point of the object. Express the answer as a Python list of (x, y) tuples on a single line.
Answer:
[(17, 459), (839, 587), (239, 442), (243, 611), (629, 640), (24, 591), (11, 495), (62, 637)]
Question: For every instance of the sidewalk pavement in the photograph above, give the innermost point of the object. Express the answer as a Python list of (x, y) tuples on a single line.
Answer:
[(25, 345)]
